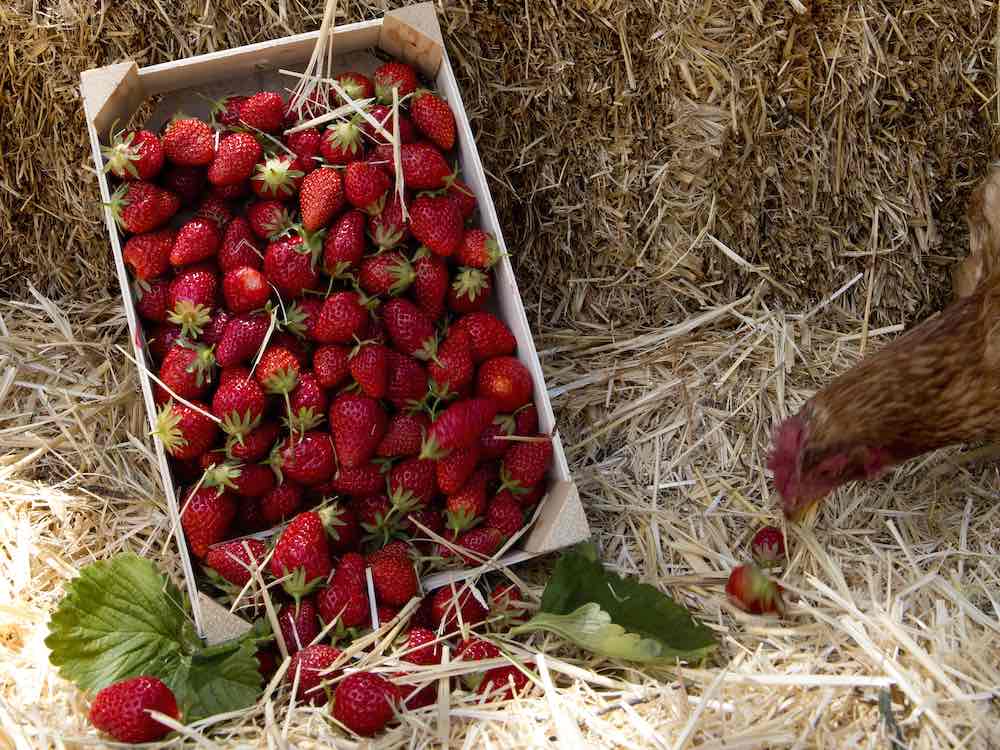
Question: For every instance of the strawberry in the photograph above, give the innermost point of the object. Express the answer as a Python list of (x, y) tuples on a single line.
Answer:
[(358, 424), (235, 560), (430, 285), (768, 546), (196, 240), (424, 167), (504, 514), (341, 143), (752, 591), (240, 247), (305, 144), (356, 85), (299, 624), (404, 435), (364, 184), (267, 662), (437, 223), (459, 426), (121, 709), (234, 160), (474, 648), (421, 647), (463, 197), (251, 480), (189, 143), (162, 338), (191, 298), (245, 289), (345, 602), (254, 445), (412, 484), (185, 432), (491, 442), (290, 263), (395, 580), (465, 507), (234, 192), (206, 517), (268, 219), (148, 255), (359, 481), (344, 245), (479, 544), (342, 318), (365, 702), (410, 330), (526, 499), (469, 291), (215, 209), (262, 111), (505, 380), (134, 155), (383, 116), (321, 197), (310, 667), (526, 464), (453, 369), (151, 300), (370, 369), (331, 365), (242, 339), (503, 683), (506, 600), (455, 603), (342, 527), (351, 571), (387, 226), (377, 517), (187, 370), (302, 554), (187, 183), (478, 249), (490, 337), (307, 459), (277, 178), (307, 403), (281, 502), (140, 207), (385, 274), (434, 118), (526, 420), (394, 75), (407, 382), (277, 370), (454, 469), (430, 518)]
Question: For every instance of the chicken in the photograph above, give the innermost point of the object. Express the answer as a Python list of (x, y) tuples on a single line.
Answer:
[(936, 385)]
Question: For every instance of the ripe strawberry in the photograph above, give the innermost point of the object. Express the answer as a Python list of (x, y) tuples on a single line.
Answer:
[(307, 403), (242, 339), (364, 184), (490, 336), (151, 301), (526, 464), (526, 420), (196, 240), (430, 285), (299, 624), (394, 75), (187, 183), (469, 291), (277, 178), (455, 469), (407, 382), (359, 481), (491, 442), (148, 255), (331, 365), (377, 517), (365, 702), (234, 192), (424, 167), (305, 144), (189, 143), (505, 515), (187, 370), (412, 484), (290, 263), (140, 207), (433, 117), (134, 155), (342, 527), (345, 598), (383, 116), (466, 507), (321, 197), (479, 544), (254, 445), (526, 500), (478, 249), (240, 247), (459, 426), (506, 600), (250, 480), (404, 435), (235, 560), (206, 517), (216, 210), (268, 219), (245, 289), (262, 111), (453, 369), (395, 580), (387, 226), (503, 683), (191, 298), (768, 546), (505, 380), (341, 143), (429, 518), (474, 648), (356, 85), (463, 197), (342, 318), (410, 331), (421, 647), (307, 459), (752, 591), (277, 370), (310, 667), (267, 662), (234, 160), (185, 432), (302, 554), (370, 369), (358, 424), (385, 274), (121, 709), (344, 245), (281, 502), (455, 603), (436, 222)]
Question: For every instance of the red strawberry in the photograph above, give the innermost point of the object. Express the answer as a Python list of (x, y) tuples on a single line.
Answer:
[(344, 245), (383, 116), (503, 683), (234, 560), (412, 484), (196, 240), (478, 249), (344, 602), (307, 403), (394, 579), (394, 75), (476, 649), (465, 507), (463, 197), (189, 143), (479, 544), (422, 647), (526, 464), (187, 370), (356, 85), (278, 370), (424, 167), (121, 709), (377, 518), (302, 554), (234, 192), (459, 426), (255, 444), (299, 624), (342, 526), (310, 667), (526, 420), (437, 223), (162, 338), (752, 591), (358, 424), (388, 273), (148, 255), (151, 300), (359, 481), (242, 339), (433, 117), (305, 144), (506, 600), (281, 502), (430, 518), (491, 442), (489, 335), (409, 329), (245, 289), (430, 285), (185, 432), (454, 469), (140, 207), (331, 365), (134, 155), (504, 514), (404, 435), (342, 318), (407, 381), (370, 369), (191, 298), (215, 210), (290, 263), (307, 459), (364, 184), (768, 546), (453, 369), (320, 198), (262, 111), (469, 291), (251, 480), (268, 219), (277, 178), (267, 662), (365, 702), (505, 380), (454, 603), (187, 183), (206, 517), (341, 143), (240, 247), (212, 334), (234, 160), (397, 549), (387, 226)]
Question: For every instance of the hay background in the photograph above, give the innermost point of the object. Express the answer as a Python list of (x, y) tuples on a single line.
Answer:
[(677, 182)]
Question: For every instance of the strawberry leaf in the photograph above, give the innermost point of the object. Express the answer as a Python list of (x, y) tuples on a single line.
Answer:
[(616, 617)]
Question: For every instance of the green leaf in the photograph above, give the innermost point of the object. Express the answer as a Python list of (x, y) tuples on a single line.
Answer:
[(221, 678), (617, 617)]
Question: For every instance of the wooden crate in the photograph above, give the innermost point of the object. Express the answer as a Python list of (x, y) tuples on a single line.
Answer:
[(115, 92)]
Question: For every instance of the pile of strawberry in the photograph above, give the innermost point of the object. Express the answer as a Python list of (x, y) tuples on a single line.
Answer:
[(323, 355)]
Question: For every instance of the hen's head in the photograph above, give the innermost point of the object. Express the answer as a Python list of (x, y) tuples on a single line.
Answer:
[(805, 473)]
